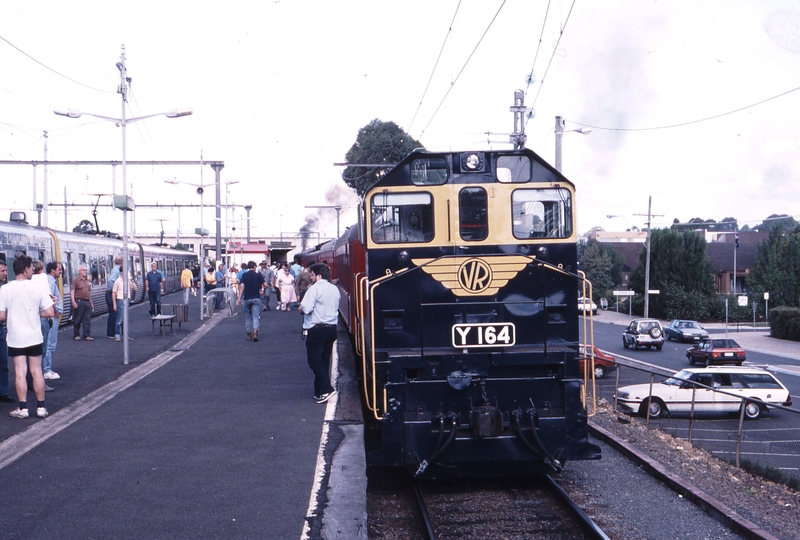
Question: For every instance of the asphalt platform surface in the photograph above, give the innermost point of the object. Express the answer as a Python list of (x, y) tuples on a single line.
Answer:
[(202, 435)]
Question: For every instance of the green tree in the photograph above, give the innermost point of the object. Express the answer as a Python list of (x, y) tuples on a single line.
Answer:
[(377, 142), (680, 270), (777, 221), (777, 269), (84, 227), (603, 267)]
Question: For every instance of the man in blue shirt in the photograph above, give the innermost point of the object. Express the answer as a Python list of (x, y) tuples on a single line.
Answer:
[(54, 271), (320, 307), (111, 324), (153, 284), (250, 287)]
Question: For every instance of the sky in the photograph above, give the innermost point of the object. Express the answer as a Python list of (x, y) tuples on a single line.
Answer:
[(691, 103)]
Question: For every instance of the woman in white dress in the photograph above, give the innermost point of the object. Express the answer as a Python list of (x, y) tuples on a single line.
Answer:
[(285, 283)]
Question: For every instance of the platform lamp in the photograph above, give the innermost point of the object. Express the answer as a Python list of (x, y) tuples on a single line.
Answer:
[(124, 202)]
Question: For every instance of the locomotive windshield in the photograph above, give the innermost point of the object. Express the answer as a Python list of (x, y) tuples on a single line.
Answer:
[(429, 171), (402, 217), (542, 213), (513, 169)]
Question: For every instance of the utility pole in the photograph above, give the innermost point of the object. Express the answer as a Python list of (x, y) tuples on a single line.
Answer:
[(650, 215), (44, 183), (559, 137)]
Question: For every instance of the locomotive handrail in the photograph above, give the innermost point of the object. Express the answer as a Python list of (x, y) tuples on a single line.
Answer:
[(588, 330)]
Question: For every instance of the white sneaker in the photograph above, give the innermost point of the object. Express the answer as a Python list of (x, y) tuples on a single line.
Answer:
[(52, 375), (41, 412), (19, 413)]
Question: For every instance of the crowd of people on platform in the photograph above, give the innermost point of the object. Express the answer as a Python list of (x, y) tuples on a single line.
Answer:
[(31, 307)]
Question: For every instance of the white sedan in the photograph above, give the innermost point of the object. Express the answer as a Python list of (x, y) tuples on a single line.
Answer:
[(729, 384), (586, 304)]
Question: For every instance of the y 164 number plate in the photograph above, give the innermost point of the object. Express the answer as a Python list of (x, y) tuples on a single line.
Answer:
[(484, 335)]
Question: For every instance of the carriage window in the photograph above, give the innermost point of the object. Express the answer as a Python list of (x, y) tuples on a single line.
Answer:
[(402, 217), (429, 171), (542, 213), (473, 215), (513, 169)]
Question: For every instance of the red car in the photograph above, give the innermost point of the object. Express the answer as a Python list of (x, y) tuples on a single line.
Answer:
[(716, 351), (603, 363)]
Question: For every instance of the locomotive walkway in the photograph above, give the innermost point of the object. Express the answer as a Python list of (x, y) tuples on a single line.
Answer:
[(203, 434)]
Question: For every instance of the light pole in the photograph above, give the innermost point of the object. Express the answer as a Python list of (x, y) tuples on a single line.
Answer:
[(248, 208), (559, 134), (202, 232), (124, 202)]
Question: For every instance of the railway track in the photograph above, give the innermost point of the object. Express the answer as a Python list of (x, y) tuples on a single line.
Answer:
[(491, 508)]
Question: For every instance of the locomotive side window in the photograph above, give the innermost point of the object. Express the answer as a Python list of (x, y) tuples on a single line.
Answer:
[(429, 171), (402, 217), (513, 169), (542, 213), (473, 215)]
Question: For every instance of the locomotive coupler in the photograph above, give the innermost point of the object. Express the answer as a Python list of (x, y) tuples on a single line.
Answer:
[(486, 421)]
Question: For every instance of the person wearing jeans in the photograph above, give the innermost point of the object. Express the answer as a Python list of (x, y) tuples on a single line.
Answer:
[(249, 295)]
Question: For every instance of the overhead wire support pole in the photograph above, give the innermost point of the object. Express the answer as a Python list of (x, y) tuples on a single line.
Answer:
[(650, 216)]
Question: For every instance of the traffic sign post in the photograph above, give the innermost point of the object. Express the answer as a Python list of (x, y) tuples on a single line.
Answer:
[(630, 301)]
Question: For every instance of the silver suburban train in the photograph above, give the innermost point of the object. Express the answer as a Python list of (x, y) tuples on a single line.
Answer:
[(98, 253)]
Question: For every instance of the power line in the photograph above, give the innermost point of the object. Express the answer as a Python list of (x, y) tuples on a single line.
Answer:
[(447, 35), (452, 84), (54, 71), (692, 121)]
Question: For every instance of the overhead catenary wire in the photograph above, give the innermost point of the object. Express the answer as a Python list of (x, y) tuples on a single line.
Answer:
[(53, 70), (690, 122)]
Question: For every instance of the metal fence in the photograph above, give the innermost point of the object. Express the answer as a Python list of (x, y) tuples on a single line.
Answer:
[(768, 446)]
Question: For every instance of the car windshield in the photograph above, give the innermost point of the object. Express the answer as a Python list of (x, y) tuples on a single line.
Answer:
[(679, 378)]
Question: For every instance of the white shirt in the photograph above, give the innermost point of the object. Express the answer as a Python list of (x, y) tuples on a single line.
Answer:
[(320, 305), (22, 299)]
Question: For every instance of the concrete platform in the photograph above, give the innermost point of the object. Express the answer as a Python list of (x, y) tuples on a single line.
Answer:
[(203, 434)]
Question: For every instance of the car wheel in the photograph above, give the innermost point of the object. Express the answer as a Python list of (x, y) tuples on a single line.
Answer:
[(655, 332), (691, 359), (738, 364), (657, 408), (658, 347), (752, 410), (599, 372), (625, 343), (708, 361), (669, 336)]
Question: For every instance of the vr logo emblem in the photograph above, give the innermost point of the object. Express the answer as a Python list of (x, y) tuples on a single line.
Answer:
[(474, 276)]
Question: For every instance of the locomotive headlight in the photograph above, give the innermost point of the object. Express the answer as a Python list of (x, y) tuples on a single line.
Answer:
[(542, 251), (472, 162), (403, 256)]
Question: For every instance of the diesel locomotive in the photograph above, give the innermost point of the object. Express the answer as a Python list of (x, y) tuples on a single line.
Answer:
[(459, 288)]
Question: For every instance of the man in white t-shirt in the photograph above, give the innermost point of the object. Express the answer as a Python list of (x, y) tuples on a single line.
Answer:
[(22, 304)]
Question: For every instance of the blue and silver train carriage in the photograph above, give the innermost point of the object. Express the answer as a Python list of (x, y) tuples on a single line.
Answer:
[(466, 319), (97, 252)]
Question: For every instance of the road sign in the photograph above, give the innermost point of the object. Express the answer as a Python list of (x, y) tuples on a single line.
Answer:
[(654, 291), (624, 293), (742, 300)]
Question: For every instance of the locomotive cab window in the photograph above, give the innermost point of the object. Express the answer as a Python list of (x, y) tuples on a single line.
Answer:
[(402, 217), (473, 215), (542, 213), (513, 169), (429, 171)]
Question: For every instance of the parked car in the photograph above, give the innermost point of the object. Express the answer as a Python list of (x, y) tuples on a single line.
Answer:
[(716, 351), (729, 384), (683, 330), (643, 333), (603, 363), (586, 304)]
